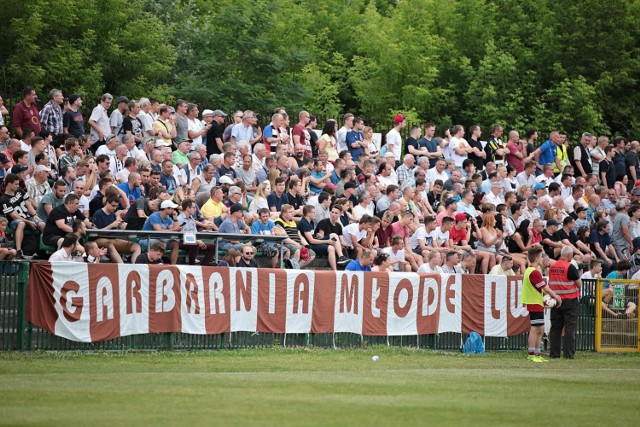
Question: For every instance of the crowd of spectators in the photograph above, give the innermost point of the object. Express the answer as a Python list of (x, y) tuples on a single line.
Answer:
[(425, 200)]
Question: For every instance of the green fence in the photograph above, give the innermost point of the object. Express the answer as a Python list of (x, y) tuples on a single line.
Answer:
[(17, 334)]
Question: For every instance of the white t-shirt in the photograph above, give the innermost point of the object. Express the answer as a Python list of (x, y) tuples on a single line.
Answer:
[(457, 143), (355, 230), (195, 126), (341, 139), (394, 256), (147, 122), (426, 268), (358, 211), (439, 236), (60, 255), (394, 143), (419, 234), (433, 175)]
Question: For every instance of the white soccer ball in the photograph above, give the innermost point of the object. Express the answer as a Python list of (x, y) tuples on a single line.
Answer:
[(375, 358), (548, 301)]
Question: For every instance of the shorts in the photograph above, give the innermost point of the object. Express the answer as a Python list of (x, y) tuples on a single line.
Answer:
[(122, 246), (536, 314), (52, 240), (321, 249), (417, 251), (15, 222)]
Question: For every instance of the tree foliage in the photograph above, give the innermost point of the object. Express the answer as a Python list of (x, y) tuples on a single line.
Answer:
[(569, 65)]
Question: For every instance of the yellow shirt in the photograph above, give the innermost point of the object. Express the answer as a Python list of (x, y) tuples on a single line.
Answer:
[(165, 126), (212, 209)]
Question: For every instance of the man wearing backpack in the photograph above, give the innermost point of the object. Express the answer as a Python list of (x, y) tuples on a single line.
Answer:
[(533, 289)]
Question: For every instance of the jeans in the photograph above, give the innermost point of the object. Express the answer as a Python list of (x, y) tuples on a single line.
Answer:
[(566, 316)]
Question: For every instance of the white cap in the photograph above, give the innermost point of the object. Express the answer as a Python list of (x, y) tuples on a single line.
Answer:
[(42, 168), (207, 112), (168, 204), (224, 179)]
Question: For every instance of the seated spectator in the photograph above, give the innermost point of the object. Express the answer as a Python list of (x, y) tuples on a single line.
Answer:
[(93, 252), (401, 228), (294, 242), (396, 253), (215, 208), (421, 240), (433, 264), (38, 185), (354, 233), (363, 263), (6, 252), (247, 258), (17, 208), (233, 224), (278, 197), (189, 225), (504, 268), (467, 263), (154, 256), (60, 222), (382, 263), (264, 226), (52, 200), (66, 251), (108, 219), (550, 240), (324, 245), (163, 220), (131, 188), (231, 258), (166, 177)]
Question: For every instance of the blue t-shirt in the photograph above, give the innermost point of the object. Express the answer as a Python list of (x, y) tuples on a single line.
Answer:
[(228, 226), (102, 219), (156, 218), (132, 195), (547, 153), (353, 137), (354, 265), (432, 146), (313, 188), (169, 182), (277, 202), (259, 228)]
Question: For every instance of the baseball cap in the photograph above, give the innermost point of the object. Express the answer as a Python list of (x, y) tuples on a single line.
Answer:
[(168, 204), (217, 113), (236, 207), (539, 186), (18, 169), (460, 217), (225, 180), (3, 158), (172, 110), (635, 192), (123, 99), (449, 202), (580, 209), (399, 118), (42, 168), (207, 112), (350, 185), (552, 222)]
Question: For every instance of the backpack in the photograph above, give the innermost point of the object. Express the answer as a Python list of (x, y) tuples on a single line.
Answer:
[(473, 344)]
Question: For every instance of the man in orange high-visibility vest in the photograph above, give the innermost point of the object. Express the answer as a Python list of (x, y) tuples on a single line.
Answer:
[(564, 280)]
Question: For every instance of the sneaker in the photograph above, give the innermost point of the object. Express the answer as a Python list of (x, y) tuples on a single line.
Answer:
[(536, 359), (343, 260), (542, 359), (19, 254)]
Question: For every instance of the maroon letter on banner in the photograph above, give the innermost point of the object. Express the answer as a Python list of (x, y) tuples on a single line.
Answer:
[(133, 303), (349, 294), (403, 311), (243, 290), (272, 300), (429, 293), (216, 299), (104, 295), (73, 288), (376, 298), (164, 299), (324, 300), (473, 303)]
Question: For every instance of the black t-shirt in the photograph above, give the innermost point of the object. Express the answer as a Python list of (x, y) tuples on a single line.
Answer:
[(619, 165), (296, 201), (215, 131), (410, 142), (313, 140), (607, 167), (60, 212), (252, 263), (305, 226), (328, 228), (74, 121), (571, 236), (573, 273), (143, 259), (96, 203), (478, 161), (15, 203), (549, 249), (133, 125)]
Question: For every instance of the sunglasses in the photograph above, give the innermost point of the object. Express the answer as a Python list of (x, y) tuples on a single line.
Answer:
[(248, 253)]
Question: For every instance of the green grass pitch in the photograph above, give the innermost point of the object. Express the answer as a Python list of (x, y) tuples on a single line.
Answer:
[(311, 387)]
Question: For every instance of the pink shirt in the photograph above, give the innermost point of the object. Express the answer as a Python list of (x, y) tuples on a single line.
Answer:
[(512, 159)]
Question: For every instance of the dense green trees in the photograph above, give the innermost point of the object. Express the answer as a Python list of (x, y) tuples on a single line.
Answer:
[(551, 64)]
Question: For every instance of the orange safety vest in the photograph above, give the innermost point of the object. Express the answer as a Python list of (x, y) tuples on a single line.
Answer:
[(559, 281)]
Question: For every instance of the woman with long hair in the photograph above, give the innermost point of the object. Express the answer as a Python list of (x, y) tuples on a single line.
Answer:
[(231, 258), (91, 175), (367, 134), (510, 183), (382, 263), (520, 243), (489, 241), (274, 173), (260, 199), (327, 140)]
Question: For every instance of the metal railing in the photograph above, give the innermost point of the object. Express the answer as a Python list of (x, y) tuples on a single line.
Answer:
[(17, 334)]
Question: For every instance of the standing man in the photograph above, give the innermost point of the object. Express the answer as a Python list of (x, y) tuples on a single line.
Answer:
[(214, 134), (478, 155), (117, 117), (341, 136), (582, 156), (301, 133), (496, 149), (25, 113), (131, 124), (99, 122), (533, 288), (394, 140), (547, 152), (165, 126), (51, 116), (564, 281), (244, 131), (181, 121), (72, 120), (355, 138)]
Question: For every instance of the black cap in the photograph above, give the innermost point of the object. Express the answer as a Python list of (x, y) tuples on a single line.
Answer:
[(4, 159), (552, 222), (18, 169), (350, 185), (449, 202)]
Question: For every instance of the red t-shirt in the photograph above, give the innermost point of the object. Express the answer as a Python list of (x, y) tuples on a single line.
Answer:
[(457, 235), (398, 230), (512, 159), (26, 117), (538, 283), (302, 132)]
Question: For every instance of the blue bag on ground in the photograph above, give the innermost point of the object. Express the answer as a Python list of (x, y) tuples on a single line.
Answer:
[(473, 344)]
